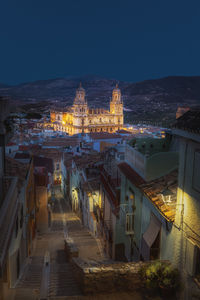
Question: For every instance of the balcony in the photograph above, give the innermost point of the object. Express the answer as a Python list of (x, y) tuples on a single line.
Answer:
[(8, 214)]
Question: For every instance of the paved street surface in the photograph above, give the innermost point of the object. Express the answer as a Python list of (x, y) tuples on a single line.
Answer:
[(56, 280)]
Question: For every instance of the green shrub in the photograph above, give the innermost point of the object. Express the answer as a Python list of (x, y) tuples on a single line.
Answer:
[(160, 275)]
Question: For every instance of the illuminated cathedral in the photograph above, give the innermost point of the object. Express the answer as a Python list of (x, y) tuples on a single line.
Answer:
[(79, 118)]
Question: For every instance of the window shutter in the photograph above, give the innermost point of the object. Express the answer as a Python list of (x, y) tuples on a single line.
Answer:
[(191, 252), (129, 223)]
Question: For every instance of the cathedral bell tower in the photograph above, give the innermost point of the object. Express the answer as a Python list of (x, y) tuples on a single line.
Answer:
[(116, 108), (80, 110), (116, 105), (80, 104)]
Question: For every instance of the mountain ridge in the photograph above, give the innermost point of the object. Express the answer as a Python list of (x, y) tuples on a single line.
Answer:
[(149, 99)]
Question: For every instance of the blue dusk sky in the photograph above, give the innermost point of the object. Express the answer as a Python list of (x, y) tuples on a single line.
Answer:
[(129, 40)]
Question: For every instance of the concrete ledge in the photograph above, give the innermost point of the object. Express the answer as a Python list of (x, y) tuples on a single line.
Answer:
[(71, 249)]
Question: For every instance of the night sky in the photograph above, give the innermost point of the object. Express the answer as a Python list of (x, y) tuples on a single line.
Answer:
[(130, 40)]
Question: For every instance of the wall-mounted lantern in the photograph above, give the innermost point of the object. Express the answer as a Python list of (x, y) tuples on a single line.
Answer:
[(166, 195)]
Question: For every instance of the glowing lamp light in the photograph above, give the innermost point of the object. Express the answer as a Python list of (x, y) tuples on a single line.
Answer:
[(63, 122)]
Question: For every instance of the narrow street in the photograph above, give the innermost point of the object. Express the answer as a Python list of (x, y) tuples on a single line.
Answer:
[(42, 281)]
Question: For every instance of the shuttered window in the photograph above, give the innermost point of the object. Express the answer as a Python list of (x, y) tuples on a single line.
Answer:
[(190, 261), (129, 223), (196, 170)]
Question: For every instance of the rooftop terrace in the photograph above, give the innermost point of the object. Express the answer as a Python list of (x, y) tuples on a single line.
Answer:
[(150, 146)]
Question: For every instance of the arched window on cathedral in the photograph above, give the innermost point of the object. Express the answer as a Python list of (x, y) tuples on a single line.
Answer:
[(58, 117), (90, 122), (100, 120)]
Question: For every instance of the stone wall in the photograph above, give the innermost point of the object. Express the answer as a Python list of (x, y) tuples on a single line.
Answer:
[(98, 277)]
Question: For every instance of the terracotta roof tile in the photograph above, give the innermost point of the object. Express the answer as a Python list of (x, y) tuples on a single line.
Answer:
[(153, 191), (131, 174), (104, 135)]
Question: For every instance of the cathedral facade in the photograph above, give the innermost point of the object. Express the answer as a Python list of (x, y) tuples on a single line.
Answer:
[(79, 118)]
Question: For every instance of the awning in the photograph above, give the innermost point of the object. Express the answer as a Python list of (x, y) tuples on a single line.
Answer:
[(149, 237)]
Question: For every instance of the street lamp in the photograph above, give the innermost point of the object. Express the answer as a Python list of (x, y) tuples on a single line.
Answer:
[(166, 195)]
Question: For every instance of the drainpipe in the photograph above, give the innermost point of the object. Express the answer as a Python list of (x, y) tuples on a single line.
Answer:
[(181, 264)]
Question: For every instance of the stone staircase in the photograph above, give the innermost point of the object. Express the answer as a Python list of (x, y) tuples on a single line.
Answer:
[(57, 225), (28, 286), (31, 278), (62, 281)]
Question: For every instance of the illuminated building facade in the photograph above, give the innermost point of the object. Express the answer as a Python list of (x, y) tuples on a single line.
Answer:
[(79, 118)]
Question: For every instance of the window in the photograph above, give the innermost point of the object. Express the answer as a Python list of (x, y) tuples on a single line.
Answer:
[(191, 261), (16, 227), (57, 166), (197, 265), (129, 223)]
